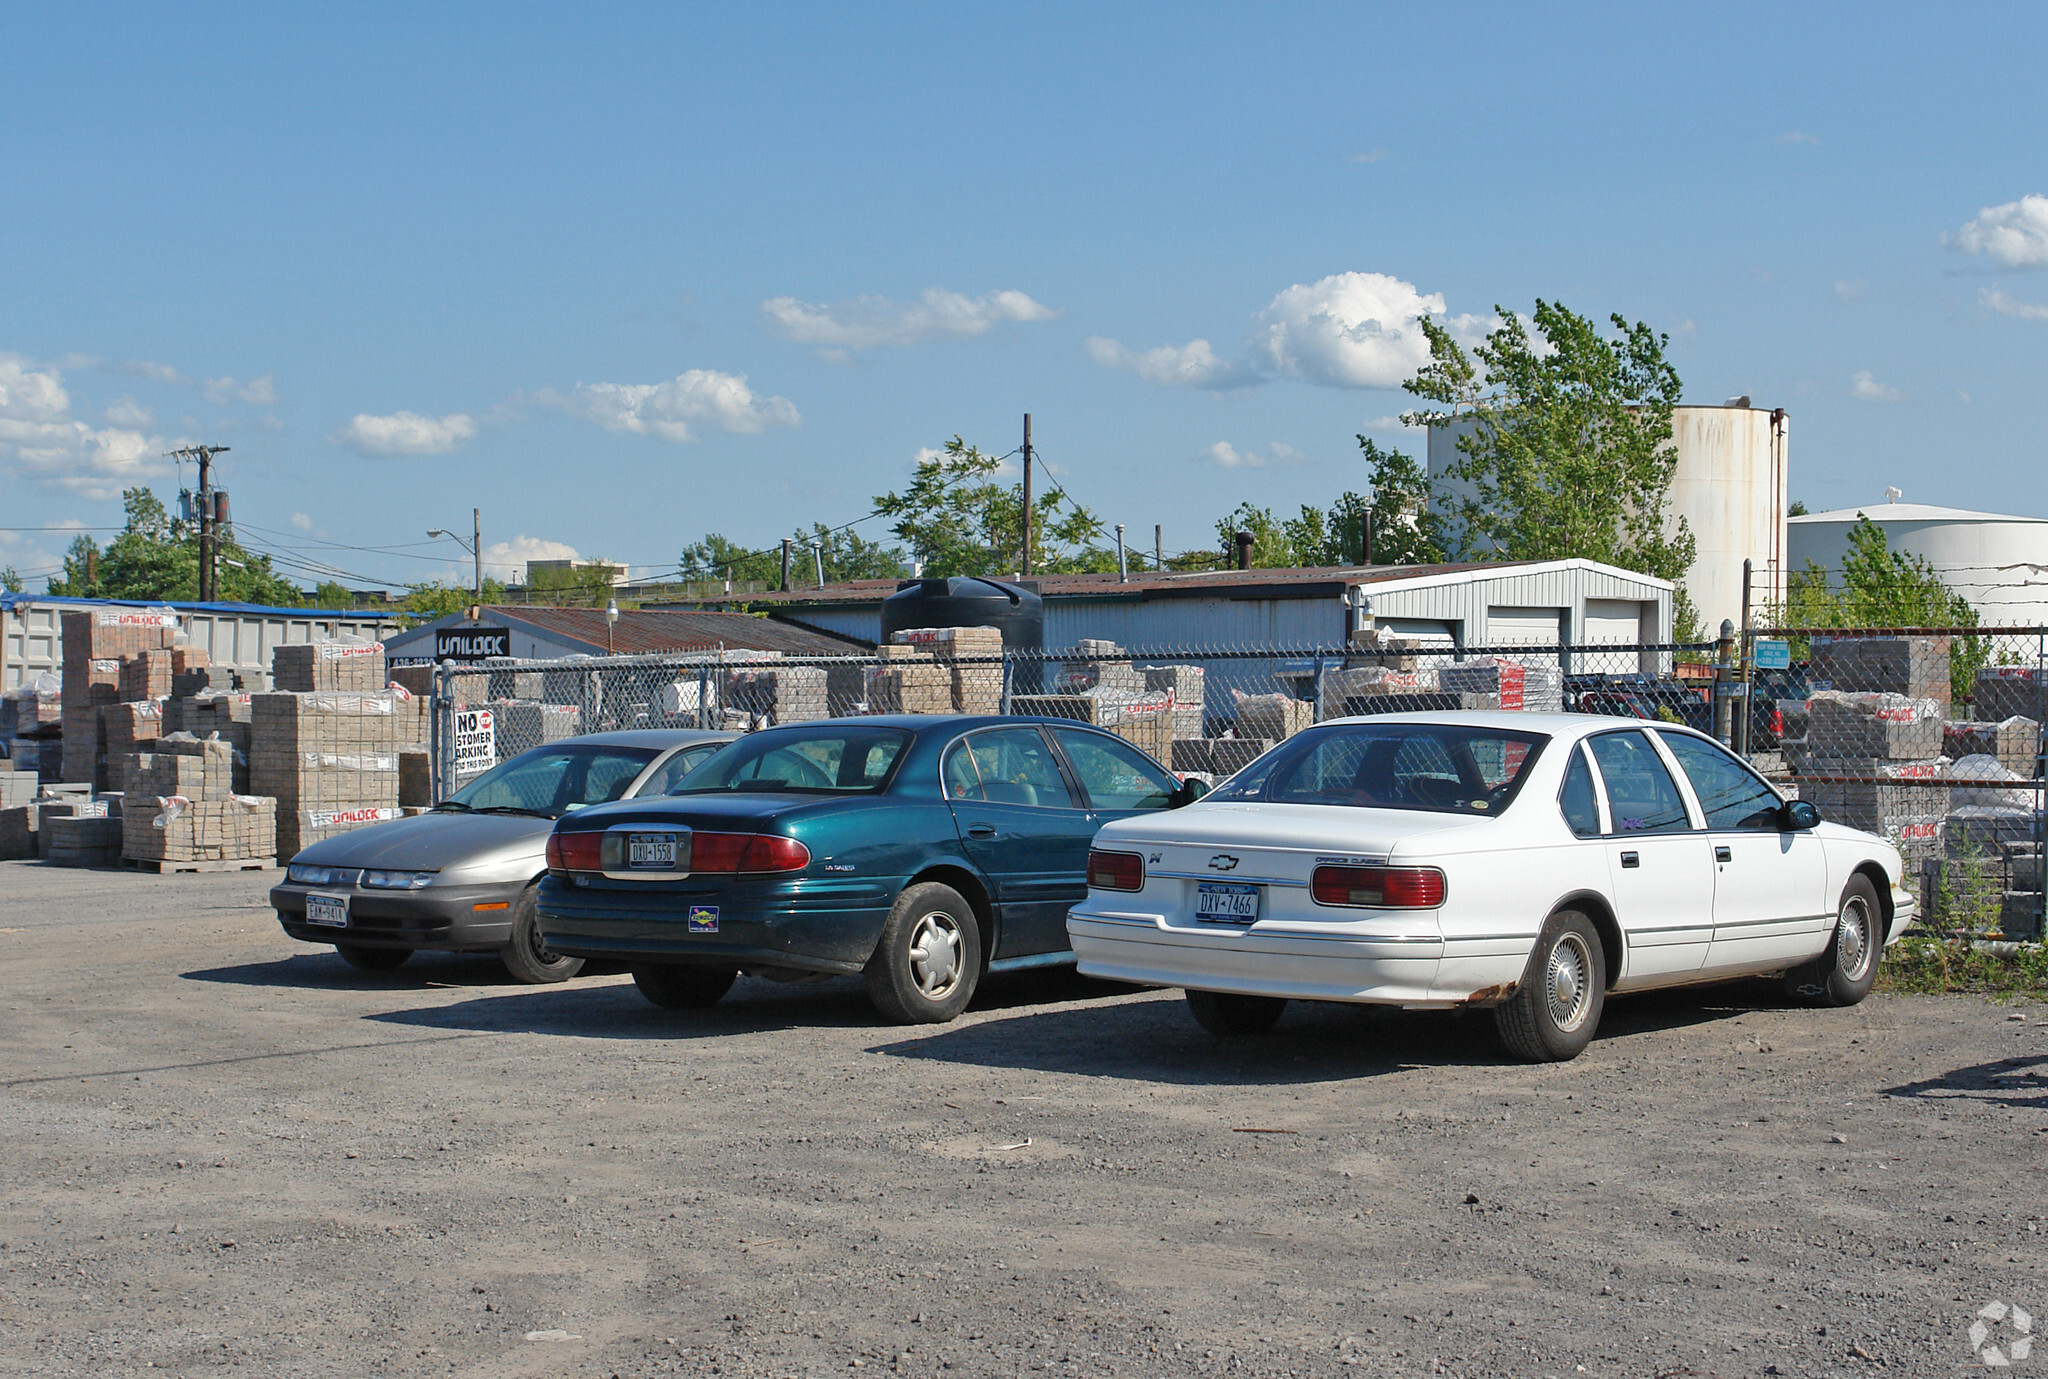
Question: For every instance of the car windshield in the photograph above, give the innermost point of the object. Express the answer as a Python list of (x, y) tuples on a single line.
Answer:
[(553, 780), (834, 760), (1428, 766)]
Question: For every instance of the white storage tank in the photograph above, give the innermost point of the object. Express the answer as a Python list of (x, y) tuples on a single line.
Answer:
[(1999, 563)]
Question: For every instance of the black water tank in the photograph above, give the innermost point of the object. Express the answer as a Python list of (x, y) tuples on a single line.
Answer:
[(967, 601)]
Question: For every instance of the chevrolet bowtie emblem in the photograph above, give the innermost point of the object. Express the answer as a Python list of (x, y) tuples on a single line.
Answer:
[(1223, 861)]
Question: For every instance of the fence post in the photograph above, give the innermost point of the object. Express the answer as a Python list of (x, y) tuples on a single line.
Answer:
[(1009, 682), (441, 750), (1724, 681), (2040, 784)]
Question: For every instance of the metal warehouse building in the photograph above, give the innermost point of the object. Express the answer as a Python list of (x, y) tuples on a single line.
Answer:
[(542, 634), (1503, 603)]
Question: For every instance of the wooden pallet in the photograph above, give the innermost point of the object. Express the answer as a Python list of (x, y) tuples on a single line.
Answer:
[(156, 868)]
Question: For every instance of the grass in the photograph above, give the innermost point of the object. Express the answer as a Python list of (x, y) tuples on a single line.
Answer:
[(1925, 964)]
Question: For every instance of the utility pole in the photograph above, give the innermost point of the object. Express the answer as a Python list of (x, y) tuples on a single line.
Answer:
[(1027, 493), (476, 548), (209, 583)]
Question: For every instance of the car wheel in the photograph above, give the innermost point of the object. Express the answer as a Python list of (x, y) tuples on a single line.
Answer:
[(928, 962), (365, 959), (1555, 1009), (526, 954), (1844, 974), (673, 986), (1229, 1016)]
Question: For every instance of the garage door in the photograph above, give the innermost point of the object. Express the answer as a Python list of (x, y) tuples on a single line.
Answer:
[(1523, 626), (1435, 635), (1613, 620)]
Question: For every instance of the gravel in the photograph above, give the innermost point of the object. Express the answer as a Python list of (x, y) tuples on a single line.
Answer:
[(224, 1148)]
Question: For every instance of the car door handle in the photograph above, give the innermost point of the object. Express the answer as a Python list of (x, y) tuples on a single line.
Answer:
[(1723, 855), (981, 830), (1630, 859)]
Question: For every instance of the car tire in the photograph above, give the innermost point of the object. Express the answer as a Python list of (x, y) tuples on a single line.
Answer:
[(1556, 1007), (928, 962), (526, 954), (1844, 974), (673, 986), (1228, 1015), (366, 959)]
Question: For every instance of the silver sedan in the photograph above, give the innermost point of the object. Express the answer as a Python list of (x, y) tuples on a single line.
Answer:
[(461, 877)]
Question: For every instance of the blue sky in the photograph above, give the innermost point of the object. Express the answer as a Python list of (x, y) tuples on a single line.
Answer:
[(624, 275)]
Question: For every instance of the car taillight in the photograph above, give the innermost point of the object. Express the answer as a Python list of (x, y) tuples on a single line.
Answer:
[(1116, 871), (1777, 721), (573, 851), (1378, 888), (746, 852)]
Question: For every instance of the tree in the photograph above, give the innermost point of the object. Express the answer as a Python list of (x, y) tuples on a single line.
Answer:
[(1272, 541), (959, 522), (333, 594), (157, 558), (846, 553), (1881, 587), (10, 580), (576, 584), (426, 602), (1564, 443), (1407, 522)]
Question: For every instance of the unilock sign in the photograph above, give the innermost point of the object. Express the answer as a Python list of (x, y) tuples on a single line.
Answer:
[(472, 643)]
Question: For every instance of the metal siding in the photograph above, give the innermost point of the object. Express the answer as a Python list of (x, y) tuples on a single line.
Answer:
[(34, 640)]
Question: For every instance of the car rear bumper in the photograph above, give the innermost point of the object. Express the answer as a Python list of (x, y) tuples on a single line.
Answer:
[(1382, 970), (834, 934), (437, 917)]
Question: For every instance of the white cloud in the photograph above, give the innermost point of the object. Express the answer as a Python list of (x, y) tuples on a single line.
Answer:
[(1351, 330), (1193, 365), (1864, 388), (257, 392), (144, 368), (2013, 306), (126, 411), (31, 394), (405, 433), (1228, 456), (2015, 234), (703, 399), (505, 561), (1371, 155), (1851, 289), (868, 321), (302, 522), (1797, 136)]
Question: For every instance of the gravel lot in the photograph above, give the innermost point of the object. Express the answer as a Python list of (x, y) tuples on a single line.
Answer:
[(225, 1149)]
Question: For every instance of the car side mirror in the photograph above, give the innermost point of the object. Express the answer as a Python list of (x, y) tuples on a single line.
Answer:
[(1187, 792), (1796, 816)]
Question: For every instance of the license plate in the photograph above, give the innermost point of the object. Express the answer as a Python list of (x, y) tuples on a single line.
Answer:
[(654, 851), (1217, 903), (330, 910)]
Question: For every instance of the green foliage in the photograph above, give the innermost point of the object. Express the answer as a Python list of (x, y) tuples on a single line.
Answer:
[(332, 594), (1567, 445), (959, 521), (426, 602), (1929, 964), (579, 584), (156, 558), (1272, 543), (10, 580), (1407, 524), (1879, 587), (847, 556), (1798, 508)]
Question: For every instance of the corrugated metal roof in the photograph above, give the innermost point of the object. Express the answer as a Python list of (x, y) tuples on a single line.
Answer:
[(645, 631)]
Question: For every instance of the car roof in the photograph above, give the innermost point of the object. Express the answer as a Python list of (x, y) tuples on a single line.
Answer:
[(651, 737), (1558, 725), (936, 722)]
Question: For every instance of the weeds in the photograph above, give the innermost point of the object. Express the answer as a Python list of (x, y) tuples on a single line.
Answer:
[(1923, 964)]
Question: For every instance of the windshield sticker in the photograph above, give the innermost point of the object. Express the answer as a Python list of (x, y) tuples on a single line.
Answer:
[(703, 919)]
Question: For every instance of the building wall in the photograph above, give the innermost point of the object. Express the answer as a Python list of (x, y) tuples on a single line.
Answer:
[(32, 634), (1729, 486), (2000, 564)]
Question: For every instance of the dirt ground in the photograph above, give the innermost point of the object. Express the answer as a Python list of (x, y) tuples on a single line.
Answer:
[(226, 1150)]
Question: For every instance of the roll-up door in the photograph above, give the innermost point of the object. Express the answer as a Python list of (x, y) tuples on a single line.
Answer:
[(1613, 620), (1523, 626)]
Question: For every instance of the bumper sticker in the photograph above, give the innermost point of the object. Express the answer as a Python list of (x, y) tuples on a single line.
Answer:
[(703, 919)]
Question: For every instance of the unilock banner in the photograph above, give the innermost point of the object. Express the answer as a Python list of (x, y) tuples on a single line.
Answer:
[(472, 643)]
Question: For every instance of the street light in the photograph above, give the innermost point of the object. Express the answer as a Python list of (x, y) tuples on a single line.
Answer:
[(474, 546), (611, 619)]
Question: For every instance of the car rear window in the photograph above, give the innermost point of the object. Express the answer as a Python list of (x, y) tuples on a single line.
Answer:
[(835, 760), (1443, 768)]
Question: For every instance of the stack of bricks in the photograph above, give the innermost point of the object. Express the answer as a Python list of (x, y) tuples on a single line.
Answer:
[(129, 729), (1915, 667), (1216, 757), (329, 759), (909, 679), (1271, 716), (85, 837), (17, 787), (19, 831), (1537, 687), (2004, 692), (1189, 687), (1874, 761), (784, 694), (973, 661), (1147, 723), (315, 667), (96, 645), (2016, 743), (187, 830), (521, 723)]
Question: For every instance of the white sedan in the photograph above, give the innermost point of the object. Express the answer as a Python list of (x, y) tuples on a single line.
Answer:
[(1531, 863)]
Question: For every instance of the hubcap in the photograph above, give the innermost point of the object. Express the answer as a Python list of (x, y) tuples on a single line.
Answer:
[(1853, 947), (935, 954), (1570, 982)]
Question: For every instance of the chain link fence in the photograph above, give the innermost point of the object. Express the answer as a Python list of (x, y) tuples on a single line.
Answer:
[(1931, 738)]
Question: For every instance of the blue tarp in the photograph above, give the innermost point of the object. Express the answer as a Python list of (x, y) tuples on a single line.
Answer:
[(8, 601)]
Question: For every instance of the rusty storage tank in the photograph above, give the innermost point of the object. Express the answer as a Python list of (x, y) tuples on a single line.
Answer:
[(968, 601)]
